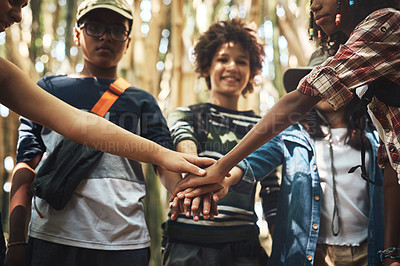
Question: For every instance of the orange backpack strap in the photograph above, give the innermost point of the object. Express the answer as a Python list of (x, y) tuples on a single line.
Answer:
[(110, 96)]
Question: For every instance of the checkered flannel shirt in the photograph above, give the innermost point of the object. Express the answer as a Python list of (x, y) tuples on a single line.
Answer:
[(372, 51)]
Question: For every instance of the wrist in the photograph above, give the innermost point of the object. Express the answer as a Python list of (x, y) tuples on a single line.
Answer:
[(390, 255), (223, 169), (160, 157), (16, 243)]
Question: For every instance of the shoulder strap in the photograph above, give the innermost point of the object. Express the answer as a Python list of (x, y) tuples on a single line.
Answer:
[(200, 123), (110, 96), (364, 101)]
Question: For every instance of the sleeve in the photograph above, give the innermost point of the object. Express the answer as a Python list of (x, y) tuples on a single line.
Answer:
[(181, 123), (269, 193), (259, 164), (153, 124), (30, 143), (370, 53)]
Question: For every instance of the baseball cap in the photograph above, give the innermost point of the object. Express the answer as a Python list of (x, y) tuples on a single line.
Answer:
[(119, 6), (292, 76)]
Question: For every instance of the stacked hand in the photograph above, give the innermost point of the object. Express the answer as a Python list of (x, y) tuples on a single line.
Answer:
[(199, 194)]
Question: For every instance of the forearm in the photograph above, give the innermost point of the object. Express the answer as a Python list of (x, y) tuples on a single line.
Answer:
[(288, 110), (391, 196), (235, 176), (20, 201), (187, 146), (103, 135), (168, 178), (23, 96)]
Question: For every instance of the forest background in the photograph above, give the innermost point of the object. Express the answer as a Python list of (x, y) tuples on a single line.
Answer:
[(159, 61)]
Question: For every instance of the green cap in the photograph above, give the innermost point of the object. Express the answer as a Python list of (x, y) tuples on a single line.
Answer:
[(119, 6)]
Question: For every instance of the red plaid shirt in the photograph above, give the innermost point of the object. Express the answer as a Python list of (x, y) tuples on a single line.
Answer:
[(372, 51)]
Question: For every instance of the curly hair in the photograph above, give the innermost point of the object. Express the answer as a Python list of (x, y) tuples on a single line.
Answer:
[(361, 8), (222, 32)]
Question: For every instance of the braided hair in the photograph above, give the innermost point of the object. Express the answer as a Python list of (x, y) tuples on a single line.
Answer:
[(312, 124), (331, 43)]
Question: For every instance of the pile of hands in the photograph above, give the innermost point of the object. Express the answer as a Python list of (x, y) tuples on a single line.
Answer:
[(197, 195)]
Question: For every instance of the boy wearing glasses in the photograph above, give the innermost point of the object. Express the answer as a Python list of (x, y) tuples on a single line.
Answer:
[(103, 223)]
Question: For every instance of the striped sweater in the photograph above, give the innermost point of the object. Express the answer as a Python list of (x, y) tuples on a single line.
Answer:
[(236, 220)]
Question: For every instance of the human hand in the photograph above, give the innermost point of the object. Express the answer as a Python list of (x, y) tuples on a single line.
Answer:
[(185, 163), (16, 256), (203, 204), (200, 205), (217, 190), (213, 175)]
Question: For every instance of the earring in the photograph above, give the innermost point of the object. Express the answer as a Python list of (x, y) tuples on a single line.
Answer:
[(337, 20), (311, 32), (338, 16), (319, 35)]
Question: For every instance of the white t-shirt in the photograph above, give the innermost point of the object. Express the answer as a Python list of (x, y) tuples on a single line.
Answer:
[(352, 191)]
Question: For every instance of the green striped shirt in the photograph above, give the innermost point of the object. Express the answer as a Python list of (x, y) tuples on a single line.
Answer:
[(236, 220)]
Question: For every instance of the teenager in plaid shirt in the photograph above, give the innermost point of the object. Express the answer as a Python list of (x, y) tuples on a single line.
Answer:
[(371, 52)]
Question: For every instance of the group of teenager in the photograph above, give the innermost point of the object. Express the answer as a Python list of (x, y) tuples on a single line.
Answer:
[(323, 214)]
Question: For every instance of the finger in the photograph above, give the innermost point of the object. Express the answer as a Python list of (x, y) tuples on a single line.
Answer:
[(196, 203), (186, 208), (175, 209), (196, 214), (189, 181), (201, 161), (206, 206), (174, 213), (181, 195), (175, 202), (195, 164), (220, 194), (187, 201), (214, 210), (203, 190)]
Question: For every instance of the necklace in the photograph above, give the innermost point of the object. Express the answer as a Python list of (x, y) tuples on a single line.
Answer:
[(335, 217)]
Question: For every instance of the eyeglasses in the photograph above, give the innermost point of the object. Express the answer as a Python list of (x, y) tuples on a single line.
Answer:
[(118, 34)]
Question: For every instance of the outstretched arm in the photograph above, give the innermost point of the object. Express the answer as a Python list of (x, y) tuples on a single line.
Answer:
[(288, 110), (21, 95)]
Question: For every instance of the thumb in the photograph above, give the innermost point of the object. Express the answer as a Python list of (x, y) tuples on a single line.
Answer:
[(219, 194), (196, 170), (199, 161)]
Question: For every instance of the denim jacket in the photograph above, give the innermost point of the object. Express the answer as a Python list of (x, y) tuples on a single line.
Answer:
[(298, 215)]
